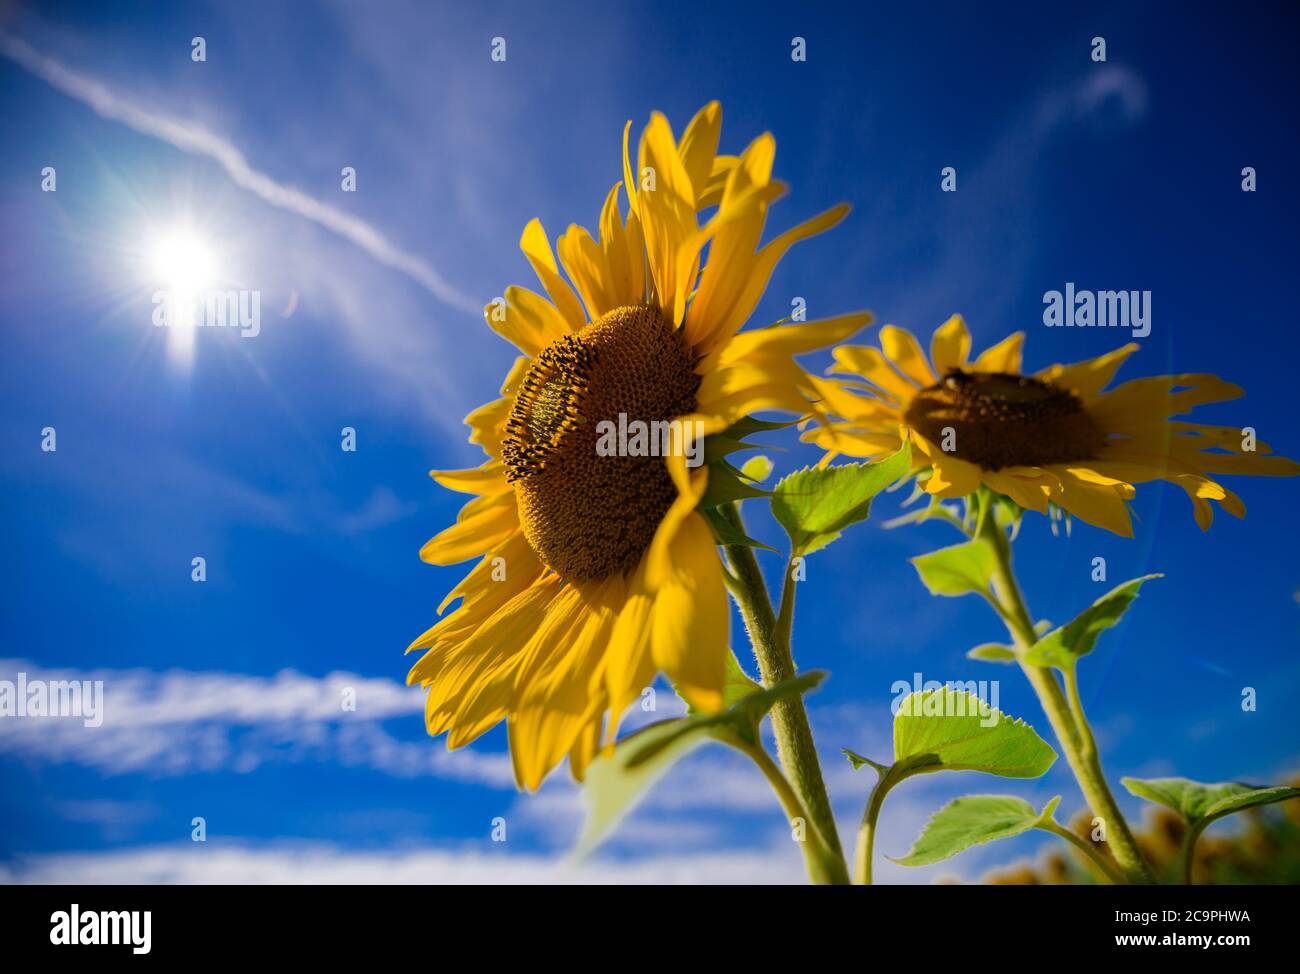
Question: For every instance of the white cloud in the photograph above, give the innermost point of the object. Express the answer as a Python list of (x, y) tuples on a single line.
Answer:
[(180, 722), (331, 865)]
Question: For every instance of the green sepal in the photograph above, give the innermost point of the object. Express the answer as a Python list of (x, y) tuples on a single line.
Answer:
[(727, 484), (992, 653), (726, 533)]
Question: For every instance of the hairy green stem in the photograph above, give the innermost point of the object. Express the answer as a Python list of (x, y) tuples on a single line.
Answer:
[(816, 855), (865, 846), (1095, 857), (770, 636), (1071, 729), (1189, 851), (1087, 743)]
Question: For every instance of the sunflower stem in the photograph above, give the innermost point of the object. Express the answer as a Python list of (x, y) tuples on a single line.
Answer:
[(1112, 875), (1087, 743), (815, 854), (1069, 725), (1189, 851), (769, 634), (865, 848)]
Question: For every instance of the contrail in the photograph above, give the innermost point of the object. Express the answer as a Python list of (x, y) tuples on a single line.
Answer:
[(198, 141)]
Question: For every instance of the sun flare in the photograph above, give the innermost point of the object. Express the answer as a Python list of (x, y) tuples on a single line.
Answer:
[(182, 262), (182, 267)]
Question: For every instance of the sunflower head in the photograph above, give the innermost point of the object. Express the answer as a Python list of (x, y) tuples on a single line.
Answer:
[(1000, 419), (1059, 436), (596, 570), (589, 515)]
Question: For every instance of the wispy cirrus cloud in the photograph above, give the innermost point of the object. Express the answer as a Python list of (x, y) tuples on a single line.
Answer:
[(195, 139), (180, 722)]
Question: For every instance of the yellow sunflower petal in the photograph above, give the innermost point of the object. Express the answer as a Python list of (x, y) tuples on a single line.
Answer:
[(1005, 356), (699, 146), (668, 218), (734, 234), (624, 252), (1100, 504), (629, 183), (952, 476), (505, 570), (1027, 486), (1086, 379), (474, 534), (793, 339), (555, 702), (585, 749), (859, 406), (1251, 464), (490, 688), (871, 364), (850, 443), (537, 248), (587, 267), (487, 479), (717, 182), (690, 486), (764, 263), (689, 635), (905, 352), (486, 424), (519, 330), (950, 345), (630, 667), (449, 675)]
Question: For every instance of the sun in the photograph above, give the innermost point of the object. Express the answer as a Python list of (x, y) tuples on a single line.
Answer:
[(182, 262), (182, 268)]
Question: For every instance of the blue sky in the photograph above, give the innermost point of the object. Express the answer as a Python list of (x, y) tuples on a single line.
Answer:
[(223, 696)]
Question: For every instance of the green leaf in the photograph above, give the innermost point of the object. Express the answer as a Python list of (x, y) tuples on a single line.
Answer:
[(1063, 647), (937, 730), (756, 705), (993, 653), (615, 783), (746, 703), (956, 570), (816, 504), (1200, 804), (970, 821)]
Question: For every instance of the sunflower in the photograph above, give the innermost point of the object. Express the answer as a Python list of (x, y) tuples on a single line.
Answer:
[(597, 571), (1056, 437)]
